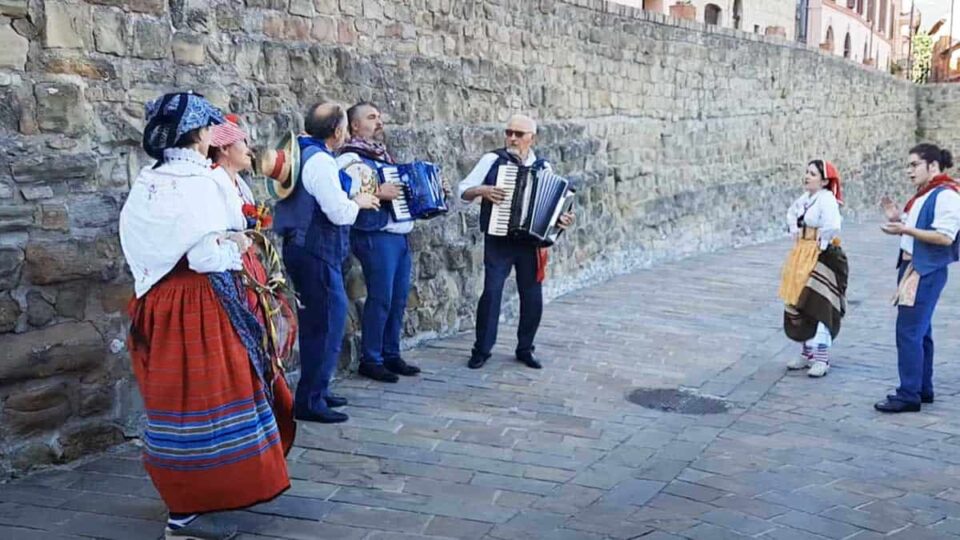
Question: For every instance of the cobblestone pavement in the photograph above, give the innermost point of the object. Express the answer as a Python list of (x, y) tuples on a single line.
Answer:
[(507, 452)]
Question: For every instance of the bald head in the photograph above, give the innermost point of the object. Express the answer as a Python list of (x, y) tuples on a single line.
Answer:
[(327, 122), (519, 135)]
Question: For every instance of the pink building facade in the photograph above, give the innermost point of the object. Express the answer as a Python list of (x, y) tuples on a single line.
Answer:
[(865, 31)]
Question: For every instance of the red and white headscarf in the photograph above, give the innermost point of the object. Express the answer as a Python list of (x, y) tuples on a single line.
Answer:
[(227, 133), (831, 175)]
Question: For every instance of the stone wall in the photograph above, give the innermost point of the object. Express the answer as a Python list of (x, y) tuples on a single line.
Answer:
[(939, 115), (681, 138)]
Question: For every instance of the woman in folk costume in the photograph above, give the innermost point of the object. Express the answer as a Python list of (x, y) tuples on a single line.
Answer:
[(230, 154), (929, 243), (211, 441), (814, 279)]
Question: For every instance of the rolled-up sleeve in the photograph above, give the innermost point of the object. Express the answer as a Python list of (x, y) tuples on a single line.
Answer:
[(321, 179), (477, 175), (946, 215)]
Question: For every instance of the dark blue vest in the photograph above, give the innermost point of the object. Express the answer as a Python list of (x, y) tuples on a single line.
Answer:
[(300, 221), (928, 258), (373, 220), (503, 157)]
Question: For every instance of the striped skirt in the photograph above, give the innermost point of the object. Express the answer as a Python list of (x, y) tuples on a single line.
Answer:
[(211, 441)]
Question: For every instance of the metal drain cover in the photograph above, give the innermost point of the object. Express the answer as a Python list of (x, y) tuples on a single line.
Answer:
[(676, 400)]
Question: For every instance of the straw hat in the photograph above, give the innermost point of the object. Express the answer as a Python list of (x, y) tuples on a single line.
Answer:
[(281, 166)]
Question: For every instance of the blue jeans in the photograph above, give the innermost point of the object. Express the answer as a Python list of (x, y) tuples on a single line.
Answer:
[(915, 339), (322, 320), (385, 260), (500, 255)]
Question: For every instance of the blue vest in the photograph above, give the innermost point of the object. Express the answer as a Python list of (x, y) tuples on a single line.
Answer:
[(373, 220), (300, 221), (928, 258), (503, 157)]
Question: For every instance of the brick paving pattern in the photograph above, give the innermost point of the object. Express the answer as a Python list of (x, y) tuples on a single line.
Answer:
[(507, 452)]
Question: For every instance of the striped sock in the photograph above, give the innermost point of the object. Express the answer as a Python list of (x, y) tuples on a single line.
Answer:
[(821, 354), (179, 521), (807, 352)]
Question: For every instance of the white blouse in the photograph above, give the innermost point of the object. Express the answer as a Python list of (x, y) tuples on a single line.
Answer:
[(820, 211), (173, 211), (234, 196)]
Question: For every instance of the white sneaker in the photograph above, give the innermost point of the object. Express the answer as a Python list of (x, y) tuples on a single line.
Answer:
[(818, 369), (800, 362)]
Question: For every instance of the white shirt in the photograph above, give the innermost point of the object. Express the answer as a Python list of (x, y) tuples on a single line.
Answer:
[(822, 212), (391, 226), (480, 170), (946, 217), (172, 211), (321, 178), (234, 197)]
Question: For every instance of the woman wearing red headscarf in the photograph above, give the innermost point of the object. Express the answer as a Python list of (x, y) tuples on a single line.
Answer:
[(814, 279), (263, 273)]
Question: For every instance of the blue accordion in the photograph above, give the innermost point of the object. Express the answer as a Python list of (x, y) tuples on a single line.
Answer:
[(421, 195)]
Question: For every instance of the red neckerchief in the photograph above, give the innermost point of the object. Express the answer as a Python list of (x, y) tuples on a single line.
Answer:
[(941, 180)]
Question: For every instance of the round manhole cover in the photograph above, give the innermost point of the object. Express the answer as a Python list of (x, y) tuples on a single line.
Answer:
[(676, 400)]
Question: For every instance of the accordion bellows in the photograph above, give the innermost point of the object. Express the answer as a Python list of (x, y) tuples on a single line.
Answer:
[(422, 196), (534, 201)]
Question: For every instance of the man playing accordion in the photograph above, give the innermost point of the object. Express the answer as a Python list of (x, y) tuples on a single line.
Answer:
[(379, 241), (505, 251)]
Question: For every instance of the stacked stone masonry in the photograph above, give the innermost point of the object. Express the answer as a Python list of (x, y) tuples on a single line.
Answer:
[(939, 108), (681, 139)]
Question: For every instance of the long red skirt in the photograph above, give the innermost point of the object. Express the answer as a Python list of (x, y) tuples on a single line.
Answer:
[(211, 441)]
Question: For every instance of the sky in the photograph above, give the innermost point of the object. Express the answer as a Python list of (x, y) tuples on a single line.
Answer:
[(934, 10)]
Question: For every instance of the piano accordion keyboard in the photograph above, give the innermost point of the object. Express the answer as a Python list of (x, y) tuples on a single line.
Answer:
[(500, 213), (401, 211)]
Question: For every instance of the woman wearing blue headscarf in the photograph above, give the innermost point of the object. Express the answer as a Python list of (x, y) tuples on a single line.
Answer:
[(211, 441)]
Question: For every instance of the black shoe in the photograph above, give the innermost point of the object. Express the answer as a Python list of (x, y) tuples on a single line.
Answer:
[(326, 417), (335, 401), (926, 399), (398, 366), (377, 373), (477, 361), (529, 360), (896, 406)]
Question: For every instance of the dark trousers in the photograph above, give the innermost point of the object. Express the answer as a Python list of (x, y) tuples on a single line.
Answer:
[(385, 259), (322, 320), (915, 338), (499, 256)]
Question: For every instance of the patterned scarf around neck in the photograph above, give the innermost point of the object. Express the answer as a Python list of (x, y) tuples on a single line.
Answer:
[(941, 180), (368, 149)]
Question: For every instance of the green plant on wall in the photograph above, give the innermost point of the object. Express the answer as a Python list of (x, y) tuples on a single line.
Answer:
[(922, 50), (922, 56)]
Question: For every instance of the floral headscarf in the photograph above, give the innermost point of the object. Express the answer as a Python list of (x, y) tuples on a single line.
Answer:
[(172, 115)]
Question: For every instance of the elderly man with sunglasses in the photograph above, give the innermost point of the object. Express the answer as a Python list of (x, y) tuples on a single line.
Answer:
[(503, 253)]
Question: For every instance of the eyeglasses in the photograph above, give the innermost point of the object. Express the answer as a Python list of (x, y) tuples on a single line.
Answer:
[(514, 133)]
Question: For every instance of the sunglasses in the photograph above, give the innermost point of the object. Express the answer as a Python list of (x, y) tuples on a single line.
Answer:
[(515, 133)]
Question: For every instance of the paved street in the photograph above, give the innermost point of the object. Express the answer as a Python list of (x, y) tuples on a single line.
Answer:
[(507, 452)]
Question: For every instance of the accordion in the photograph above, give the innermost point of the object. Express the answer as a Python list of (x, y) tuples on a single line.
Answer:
[(533, 204), (421, 196)]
